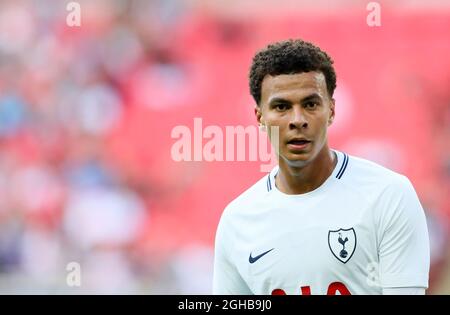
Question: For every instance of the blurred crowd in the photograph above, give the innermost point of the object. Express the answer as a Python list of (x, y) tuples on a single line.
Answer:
[(85, 120), (67, 191)]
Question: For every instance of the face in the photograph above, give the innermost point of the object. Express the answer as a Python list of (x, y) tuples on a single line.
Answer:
[(300, 106)]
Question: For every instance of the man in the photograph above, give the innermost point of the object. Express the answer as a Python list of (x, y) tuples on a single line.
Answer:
[(322, 221)]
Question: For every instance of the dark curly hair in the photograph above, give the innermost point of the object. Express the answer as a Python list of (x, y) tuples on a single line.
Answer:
[(290, 57)]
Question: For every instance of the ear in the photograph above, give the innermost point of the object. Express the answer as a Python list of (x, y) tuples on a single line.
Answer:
[(259, 118), (258, 115), (332, 111)]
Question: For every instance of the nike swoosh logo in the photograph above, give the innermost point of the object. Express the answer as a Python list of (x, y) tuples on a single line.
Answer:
[(254, 259)]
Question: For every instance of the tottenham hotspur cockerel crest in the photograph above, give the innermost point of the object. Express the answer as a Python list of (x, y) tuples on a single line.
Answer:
[(342, 243)]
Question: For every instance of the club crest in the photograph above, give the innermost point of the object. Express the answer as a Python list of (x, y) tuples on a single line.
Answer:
[(342, 243)]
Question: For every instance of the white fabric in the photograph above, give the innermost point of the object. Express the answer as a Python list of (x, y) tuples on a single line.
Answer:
[(403, 291), (376, 211)]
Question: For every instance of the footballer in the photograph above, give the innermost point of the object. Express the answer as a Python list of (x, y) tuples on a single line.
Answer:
[(322, 221)]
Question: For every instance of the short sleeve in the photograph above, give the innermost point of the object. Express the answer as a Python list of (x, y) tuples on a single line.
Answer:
[(226, 279), (404, 249)]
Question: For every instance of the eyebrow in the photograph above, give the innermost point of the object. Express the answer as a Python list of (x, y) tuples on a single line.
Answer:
[(305, 99)]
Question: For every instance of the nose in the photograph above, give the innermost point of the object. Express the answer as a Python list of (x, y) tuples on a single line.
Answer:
[(298, 119)]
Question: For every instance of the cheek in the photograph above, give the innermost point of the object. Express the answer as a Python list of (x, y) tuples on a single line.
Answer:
[(320, 127), (273, 120), (279, 121), (322, 120)]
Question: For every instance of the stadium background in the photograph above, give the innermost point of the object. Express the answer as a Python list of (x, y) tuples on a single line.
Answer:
[(86, 115)]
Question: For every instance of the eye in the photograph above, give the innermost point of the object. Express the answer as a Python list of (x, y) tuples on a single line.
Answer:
[(281, 107), (311, 105)]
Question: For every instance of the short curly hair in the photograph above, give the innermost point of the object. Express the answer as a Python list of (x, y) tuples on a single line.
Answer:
[(290, 57)]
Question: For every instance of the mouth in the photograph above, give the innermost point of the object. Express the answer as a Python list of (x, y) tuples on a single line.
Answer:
[(298, 144)]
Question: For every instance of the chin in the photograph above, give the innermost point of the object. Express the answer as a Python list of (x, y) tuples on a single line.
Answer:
[(297, 158)]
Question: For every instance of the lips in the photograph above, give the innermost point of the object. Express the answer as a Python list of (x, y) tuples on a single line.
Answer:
[(298, 141), (298, 144)]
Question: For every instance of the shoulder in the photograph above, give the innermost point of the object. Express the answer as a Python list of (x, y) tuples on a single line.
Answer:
[(369, 176), (234, 218), (250, 197), (392, 194), (248, 201)]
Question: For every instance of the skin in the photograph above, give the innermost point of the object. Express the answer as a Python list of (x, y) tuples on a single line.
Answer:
[(299, 104)]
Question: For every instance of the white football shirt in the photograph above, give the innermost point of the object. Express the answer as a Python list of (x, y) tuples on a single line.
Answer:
[(362, 230)]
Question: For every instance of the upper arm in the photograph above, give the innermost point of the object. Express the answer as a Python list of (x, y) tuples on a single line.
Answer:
[(226, 278), (404, 253)]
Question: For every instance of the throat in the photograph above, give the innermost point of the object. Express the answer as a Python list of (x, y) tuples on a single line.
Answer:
[(295, 181)]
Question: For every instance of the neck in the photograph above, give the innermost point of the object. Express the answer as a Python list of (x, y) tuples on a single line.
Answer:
[(294, 180)]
